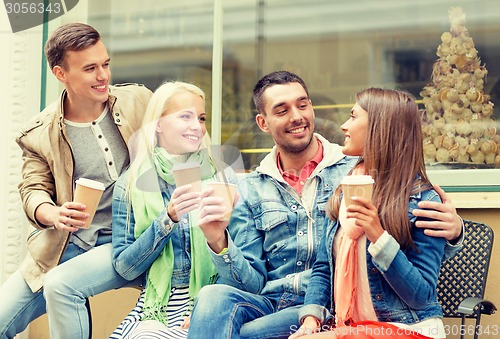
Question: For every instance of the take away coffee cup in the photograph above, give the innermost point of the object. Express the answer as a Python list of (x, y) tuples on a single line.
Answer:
[(227, 192), (187, 173), (89, 193), (357, 186)]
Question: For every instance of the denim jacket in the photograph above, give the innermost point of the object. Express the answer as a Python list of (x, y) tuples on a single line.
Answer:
[(274, 233), (132, 257), (402, 282)]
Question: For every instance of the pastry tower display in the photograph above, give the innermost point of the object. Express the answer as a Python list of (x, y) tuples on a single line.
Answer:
[(458, 125)]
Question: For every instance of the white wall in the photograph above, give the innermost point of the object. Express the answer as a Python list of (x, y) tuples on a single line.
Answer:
[(20, 64), (20, 69)]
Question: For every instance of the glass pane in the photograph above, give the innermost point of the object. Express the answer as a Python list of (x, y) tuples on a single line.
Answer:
[(150, 42), (338, 47)]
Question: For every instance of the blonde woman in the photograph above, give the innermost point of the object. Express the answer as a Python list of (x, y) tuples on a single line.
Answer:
[(155, 223)]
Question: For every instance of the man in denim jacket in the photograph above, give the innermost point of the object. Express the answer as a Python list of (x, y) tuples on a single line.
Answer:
[(264, 260)]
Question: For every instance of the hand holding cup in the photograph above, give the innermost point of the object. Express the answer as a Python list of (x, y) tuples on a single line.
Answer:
[(89, 193), (357, 186), (361, 208), (182, 201), (227, 192), (215, 211), (187, 174)]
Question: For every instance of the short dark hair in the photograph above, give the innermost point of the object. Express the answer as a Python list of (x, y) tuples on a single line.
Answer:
[(70, 37), (271, 79)]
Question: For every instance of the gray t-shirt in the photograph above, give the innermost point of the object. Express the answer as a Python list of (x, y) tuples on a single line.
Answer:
[(100, 154)]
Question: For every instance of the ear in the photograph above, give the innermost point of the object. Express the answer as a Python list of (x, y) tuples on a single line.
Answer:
[(158, 127), (261, 122), (60, 74)]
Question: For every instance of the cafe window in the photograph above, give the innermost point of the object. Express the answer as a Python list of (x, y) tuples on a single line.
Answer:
[(338, 47)]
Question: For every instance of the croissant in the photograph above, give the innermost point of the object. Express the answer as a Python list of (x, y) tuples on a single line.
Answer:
[(452, 95), (488, 147), (446, 37), (429, 152), (489, 158), (463, 158), (477, 158), (454, 152), (463, 128), (487, 110), (472, 94), (443, 155), (448, 142)]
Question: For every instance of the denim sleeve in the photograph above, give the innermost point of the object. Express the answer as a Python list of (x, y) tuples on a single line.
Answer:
[(131, 256), (412, 274), (244, 264), (318, 293)]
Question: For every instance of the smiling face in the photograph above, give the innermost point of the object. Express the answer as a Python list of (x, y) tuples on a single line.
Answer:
[(181, 129), (288, 116), (86, 75), (355, 131)]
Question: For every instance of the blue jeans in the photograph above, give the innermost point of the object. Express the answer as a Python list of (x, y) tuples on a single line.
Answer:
[(80, 275), (227, 312)]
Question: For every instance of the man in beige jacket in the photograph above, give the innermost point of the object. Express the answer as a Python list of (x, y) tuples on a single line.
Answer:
[(83, 134)]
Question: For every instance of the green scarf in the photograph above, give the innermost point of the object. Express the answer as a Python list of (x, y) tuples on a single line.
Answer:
[(147, 205)]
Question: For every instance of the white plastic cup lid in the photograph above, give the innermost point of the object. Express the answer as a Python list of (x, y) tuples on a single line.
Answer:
[(357, 180), (91, 183)]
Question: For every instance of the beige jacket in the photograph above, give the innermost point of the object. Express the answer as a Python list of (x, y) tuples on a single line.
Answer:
[(48, 171)]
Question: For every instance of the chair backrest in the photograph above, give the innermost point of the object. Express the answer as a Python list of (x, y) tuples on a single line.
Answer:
[(464, 275)]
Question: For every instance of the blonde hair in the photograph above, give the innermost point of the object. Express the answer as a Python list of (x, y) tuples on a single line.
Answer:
[(393, 156), (145, 139), (142, 144)]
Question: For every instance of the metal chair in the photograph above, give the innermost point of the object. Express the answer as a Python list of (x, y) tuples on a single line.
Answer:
[(87, 305), (462, 281)]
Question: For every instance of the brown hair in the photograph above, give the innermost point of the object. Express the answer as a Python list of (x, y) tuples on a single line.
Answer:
[(69, 37), (393, 156), (271, 79)]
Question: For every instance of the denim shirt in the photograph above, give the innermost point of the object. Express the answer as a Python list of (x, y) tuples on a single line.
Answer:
[(274, 233), (402, 282), (133, 257)]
